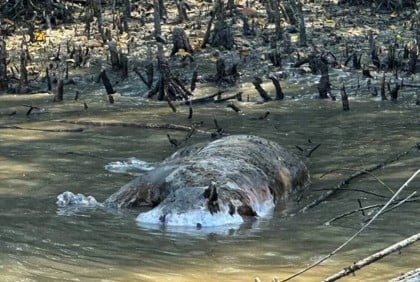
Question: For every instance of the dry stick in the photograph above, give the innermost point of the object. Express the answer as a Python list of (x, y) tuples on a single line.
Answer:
[(376, 256), (399, 203), (328, 194), (357, 233), (44, 130), (355, 190), (137, 125), (366, 172), (372, 207)]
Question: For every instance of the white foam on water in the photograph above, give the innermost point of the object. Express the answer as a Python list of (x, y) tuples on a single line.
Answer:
[(193, 218), (129, 165), (70, 199), (264, 209)]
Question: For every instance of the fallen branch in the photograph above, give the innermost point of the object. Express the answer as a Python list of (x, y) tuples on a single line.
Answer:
[(207, 99), (312, 150), (375, 257), (366, 172), (357, 233), (408, 276), (355, 175), (44, 130), (355, 190), (398, 203), (138, 125)]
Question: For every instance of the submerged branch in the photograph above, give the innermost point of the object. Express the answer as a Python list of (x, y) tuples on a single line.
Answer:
[(362, 171), (139, 125), (355, 175), (398, 203), (44, 130), (375, 257), (358, 232)]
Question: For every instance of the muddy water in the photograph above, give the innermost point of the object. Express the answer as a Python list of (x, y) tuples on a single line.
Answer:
[(39, 242)]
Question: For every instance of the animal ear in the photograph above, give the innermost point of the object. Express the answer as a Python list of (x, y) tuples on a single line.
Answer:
[(211, 192), (211, 195)]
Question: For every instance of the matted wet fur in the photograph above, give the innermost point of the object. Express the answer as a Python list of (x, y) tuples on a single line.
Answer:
[(220, 181)]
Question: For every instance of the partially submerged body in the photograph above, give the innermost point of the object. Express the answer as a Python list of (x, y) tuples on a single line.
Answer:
[(215, 183)]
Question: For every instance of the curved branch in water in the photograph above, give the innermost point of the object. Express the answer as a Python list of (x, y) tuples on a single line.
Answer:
[(346, 181)]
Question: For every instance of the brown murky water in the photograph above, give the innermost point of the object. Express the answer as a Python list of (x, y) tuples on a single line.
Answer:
[(39, 242)]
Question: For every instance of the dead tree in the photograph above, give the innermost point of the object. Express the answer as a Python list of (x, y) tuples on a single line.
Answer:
[(297, 7), (221, 35), (3, 66), (318, 64), (107, 83), (24, 56), (324, 87), (168, 87), (126, 14), (114, 56), (345, 99), (180, 41), (275, 57), (273, 15), (59, 91), (149, 69), (94, 10), (413, 56), (277, 86), (223, 74), (257, 84), (182, 7)]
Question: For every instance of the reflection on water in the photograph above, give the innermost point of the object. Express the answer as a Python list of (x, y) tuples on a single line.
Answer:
[(40, 242)]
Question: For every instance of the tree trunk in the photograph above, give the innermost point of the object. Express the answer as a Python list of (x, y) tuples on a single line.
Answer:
[(222, 33), (23, 79), (126, 14), (97, 12), (180, 41), (324, 83), (3, 66), (182, 11), (157, 18)]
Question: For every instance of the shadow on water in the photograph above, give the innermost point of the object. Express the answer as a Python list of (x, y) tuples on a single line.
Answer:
[(40, 242)]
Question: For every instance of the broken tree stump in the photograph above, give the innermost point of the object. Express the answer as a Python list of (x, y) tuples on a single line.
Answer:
[(324, 86), (277, 86), (257, 84), (168, 87), (345, 99), (59, 91), (149, 69), (180, 41), (221, 35), (107, 83), (3, 66)]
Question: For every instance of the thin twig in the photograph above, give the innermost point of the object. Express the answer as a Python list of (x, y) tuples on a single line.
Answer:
[(40, 129), (355, 190), (362, 171), (399, 203), (169, 126), (355, 234), (346, 181), (371, 207), (376, 256)]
